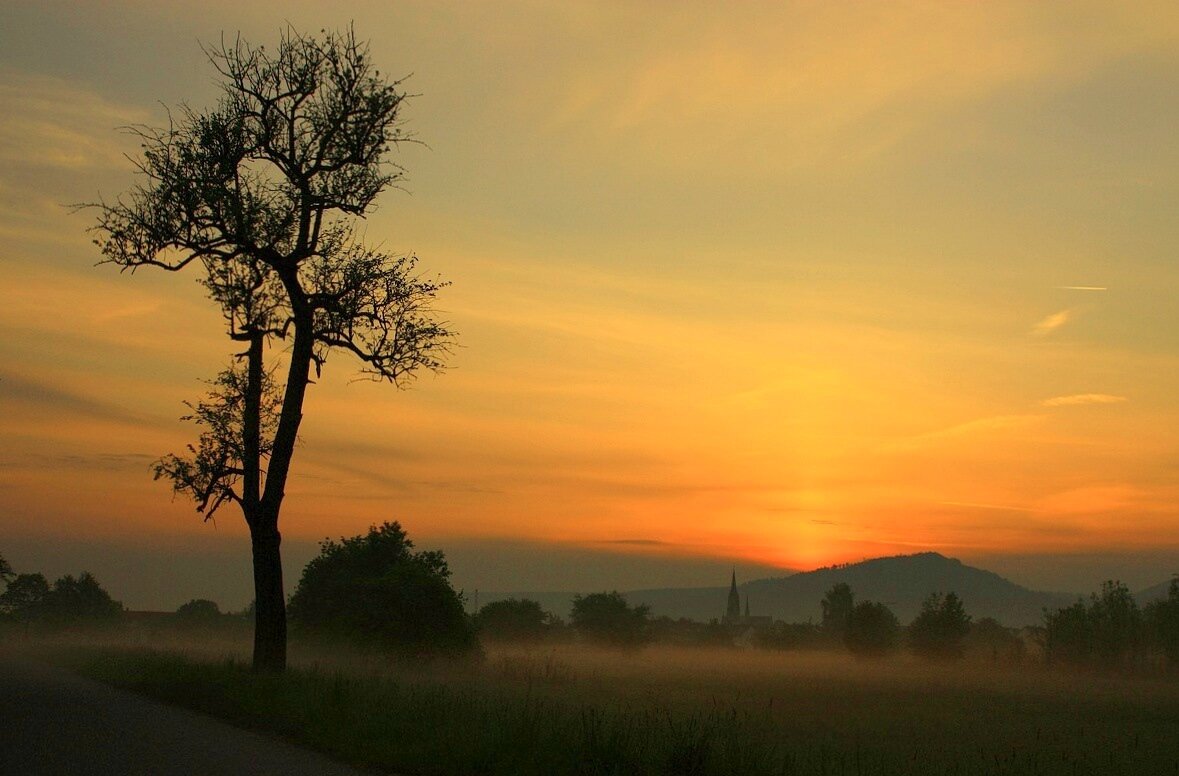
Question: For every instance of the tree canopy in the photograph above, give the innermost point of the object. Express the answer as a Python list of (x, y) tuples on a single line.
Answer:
[(940, 628), (872, 629), (607, 618), (837, 606), (70, 600), (375, 589), (513, 619)]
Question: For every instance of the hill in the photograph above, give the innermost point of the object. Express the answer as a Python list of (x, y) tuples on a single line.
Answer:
[(901, 581), (1157, 592)]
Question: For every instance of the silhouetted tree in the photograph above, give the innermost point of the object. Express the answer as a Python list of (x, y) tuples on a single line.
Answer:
[(1107, 632), (375, 589), (1117, 624), (837, 605), (1162, 618), (940, 627), (1068, 635), (607, 619), (199, 611), (6, 572), (24, 599), (80, 599), (871, 629), (261, 192), (513, 619)]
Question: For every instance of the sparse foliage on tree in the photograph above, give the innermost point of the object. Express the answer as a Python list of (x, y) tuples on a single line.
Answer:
[(607, 618), (940, 628), (259, 195), (376, 589)]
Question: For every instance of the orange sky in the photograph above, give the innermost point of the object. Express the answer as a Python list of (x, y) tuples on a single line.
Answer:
[(795, 286)]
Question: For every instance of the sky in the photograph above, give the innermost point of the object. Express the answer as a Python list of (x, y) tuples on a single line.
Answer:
[(771, 286)]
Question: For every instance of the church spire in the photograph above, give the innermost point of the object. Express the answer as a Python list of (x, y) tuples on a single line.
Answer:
[(733, 611)]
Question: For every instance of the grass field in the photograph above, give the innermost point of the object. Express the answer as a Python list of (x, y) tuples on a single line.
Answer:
[(573, 710)]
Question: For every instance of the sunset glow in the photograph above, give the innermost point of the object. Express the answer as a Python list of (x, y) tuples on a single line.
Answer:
[(791, 287)]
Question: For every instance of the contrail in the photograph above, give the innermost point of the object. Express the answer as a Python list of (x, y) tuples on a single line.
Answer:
[(1081, 288)]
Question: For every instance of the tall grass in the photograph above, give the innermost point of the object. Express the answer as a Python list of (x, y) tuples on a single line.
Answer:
[(667, 711)]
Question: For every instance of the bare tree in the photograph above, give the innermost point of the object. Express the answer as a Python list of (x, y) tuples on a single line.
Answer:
[(261, 193)]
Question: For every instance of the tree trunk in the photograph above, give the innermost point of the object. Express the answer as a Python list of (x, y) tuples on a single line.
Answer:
[(270, 613)]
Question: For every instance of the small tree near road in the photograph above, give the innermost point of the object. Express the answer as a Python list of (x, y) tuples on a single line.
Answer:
[(259, 194)]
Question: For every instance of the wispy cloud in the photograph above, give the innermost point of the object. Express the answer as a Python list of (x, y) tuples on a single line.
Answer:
[(998, 424), (989, 507), (50, 123), (1078, 399), (1052, 323)]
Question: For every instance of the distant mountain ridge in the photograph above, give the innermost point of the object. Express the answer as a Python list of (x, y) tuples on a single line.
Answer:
[(900, 581), (1157, 592)]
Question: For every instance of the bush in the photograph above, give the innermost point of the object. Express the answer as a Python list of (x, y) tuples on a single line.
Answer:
[(606, 618), (871, 630), (514, 619), (374, 589), (938, 631), (199, 611)]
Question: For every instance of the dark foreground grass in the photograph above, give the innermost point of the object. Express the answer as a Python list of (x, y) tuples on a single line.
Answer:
[(516, 722)]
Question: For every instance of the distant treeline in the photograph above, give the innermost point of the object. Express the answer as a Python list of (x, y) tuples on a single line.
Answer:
[(376, 590), (1109, 630)]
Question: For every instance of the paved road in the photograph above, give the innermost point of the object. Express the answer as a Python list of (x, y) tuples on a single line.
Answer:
[(53, 723)]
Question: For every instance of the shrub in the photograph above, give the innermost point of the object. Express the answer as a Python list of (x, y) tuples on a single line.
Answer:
[(513, 619), (199, 611)]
